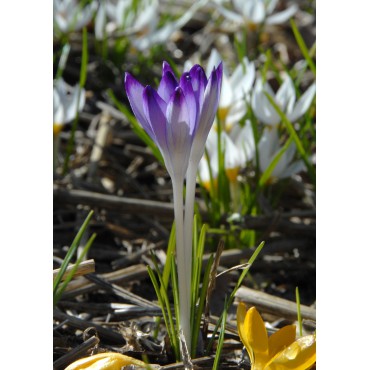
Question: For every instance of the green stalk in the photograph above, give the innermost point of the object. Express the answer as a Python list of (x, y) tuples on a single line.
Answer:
[(165, 309), (83, 74), (303, 47), (220, 338), (71, 252), (299, 316), (232, 295), (62, 288)]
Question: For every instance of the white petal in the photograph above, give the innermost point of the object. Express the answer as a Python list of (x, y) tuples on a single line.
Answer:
[(166, 31), (244, 141), (100, 21), (242, 81), (231, 154), (292, 169), (75, 100), (271, 5), (262, 108), (286, 94), (283, 16), (267, 147), (235, 114), (257, 13), (227, 94), (213, 61), (229, 14), (303, 104)]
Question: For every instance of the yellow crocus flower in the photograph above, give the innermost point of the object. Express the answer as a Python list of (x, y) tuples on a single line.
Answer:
[(105, 361), (280, 351)]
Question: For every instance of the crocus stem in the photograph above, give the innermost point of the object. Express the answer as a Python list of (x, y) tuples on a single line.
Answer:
[(183, 276), (191, 177)]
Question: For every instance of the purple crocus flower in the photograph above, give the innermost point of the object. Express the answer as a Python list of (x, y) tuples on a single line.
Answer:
[(178, 118), (178, 113)]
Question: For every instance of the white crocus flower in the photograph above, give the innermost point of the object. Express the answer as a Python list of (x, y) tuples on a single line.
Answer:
[(140, 24), (268, 148), (243, 140), (285, 98), (66, 101), (69, 15), (253, 12), (236, 154), (133, 17), (235, 89), (163, 34)]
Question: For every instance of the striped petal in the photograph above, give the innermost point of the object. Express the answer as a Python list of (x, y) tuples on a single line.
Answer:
[(178, 129), (134, 91), (154, 109), (199, 82), (191, 102), (167, 85), (207, 112)]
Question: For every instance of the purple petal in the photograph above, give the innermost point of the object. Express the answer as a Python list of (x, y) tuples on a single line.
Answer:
[(208, 112), (219, 71), (191, 101), (167, 68), (134, 91), (167, 86), (199, 82), (179, 136), (154, 109)]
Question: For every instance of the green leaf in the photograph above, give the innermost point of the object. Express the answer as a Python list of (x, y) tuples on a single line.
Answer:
[(267, 174), (71, 251), (220, 337), (299, 316), (70, 275), (232, 295), (303, 47), (83, 74)]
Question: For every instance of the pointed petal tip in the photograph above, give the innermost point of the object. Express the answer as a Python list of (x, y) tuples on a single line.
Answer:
[(127, 76), (165, 65), (129, 81)]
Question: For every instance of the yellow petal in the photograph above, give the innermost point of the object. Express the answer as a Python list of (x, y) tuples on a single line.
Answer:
[(57, 128), (104, 361), (240, 317), (281, 339), (232, 173), (300, 355), (253, 334)]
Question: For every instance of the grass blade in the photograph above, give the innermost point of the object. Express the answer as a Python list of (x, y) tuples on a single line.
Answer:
[(299, 316), (267, 174), (220, 338), (83, 74), (69, 277), (71, 252), (303, 47), (232, 295)]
